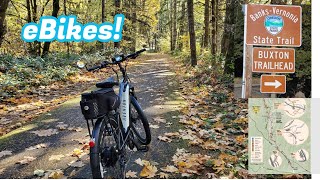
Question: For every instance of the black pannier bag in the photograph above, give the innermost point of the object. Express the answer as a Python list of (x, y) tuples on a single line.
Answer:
[(98, 103)]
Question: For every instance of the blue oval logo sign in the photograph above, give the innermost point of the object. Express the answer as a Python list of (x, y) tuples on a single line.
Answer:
[(274, 24)]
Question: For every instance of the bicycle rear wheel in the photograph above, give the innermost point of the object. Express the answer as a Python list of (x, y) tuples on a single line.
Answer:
[(139, 122), (105, 160)]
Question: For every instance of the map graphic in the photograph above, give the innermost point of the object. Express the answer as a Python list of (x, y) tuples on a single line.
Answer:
[(279, 136)]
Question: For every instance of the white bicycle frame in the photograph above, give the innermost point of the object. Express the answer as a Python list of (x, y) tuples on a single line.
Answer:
[(124, 105)]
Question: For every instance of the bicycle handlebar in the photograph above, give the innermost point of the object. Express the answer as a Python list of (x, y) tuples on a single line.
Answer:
[(105, 63)]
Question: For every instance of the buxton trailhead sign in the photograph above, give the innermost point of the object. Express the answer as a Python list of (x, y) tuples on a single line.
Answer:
[(275, 26), (275, 60)]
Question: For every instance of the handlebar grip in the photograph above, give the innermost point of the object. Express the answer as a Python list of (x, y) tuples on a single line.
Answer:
[(93, 68), (134, 55), (140, 51)]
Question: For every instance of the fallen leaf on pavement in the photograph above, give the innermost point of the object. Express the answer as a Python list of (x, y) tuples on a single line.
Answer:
[(54, 174), (163, 175), (38, 146), (73, 172), (154, 126), (38, 172), (139, 161), (170, 169), (62, 126), (164, 138), (77, 164), (26, 160), (131, 174), (148, 171), (77, 152), (5, 153), (47, 132), (2, 170), (56, 157), (159, 120)]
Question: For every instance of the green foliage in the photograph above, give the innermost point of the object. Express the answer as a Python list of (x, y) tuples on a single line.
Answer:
[(25, 72)]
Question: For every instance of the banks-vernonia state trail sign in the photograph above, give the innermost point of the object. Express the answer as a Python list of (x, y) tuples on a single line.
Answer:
[(270, 25), (275, 60), (273, 25)]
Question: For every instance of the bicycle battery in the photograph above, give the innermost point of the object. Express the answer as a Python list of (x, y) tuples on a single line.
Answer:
[(98, 103)]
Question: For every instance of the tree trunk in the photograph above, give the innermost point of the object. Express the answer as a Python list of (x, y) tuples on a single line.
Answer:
[(217, 27), (103, 16), (193, 50), (278, 2), (65, 13), (117, 4), (55, 10), (182, 25), (134, 24), (227, 42), (3, 8), (206, 23), (296, 2), (213, 26), (174, 26), (171, 23)]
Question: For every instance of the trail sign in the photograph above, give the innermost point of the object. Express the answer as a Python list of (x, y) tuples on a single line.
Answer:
[(273, 60), (273, 84), (273, 25)]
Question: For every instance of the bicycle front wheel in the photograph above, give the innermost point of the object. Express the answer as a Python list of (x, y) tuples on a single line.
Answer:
[(139, 122)]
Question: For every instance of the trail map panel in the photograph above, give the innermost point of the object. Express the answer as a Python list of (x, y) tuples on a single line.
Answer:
[(273, 25), (279, 136)]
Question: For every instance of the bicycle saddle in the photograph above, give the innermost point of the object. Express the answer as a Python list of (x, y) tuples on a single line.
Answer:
[(108, 83)]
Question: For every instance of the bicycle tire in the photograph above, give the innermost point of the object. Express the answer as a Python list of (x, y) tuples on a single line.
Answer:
[(96, 164), (142, 117)]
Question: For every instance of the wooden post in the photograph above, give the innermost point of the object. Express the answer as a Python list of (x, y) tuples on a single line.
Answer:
[(248, 74), (273, 95)]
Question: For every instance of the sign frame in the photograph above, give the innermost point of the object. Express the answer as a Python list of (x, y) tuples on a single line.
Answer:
[(287, 72), (283, 45), (265, 92)]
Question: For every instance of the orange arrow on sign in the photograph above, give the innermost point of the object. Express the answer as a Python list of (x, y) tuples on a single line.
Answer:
[(273, 84)]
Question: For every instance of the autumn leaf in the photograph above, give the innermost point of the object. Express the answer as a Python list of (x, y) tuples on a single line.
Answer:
[(5, 153), (77, 152), (38, 146), (26, 160), (171, 134), (56, 157), (73, 173), (211, 176), (165, 139), (76, 164), (159, 120), (55, 174), (240, 139), (38, 172), (163, 175), (131, 174), (154, 126), (139, 161), (47, 132), (148, 171), (62, 126), (170, 169)]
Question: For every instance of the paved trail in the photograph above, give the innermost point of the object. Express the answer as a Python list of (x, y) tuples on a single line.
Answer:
[(158, 93)]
